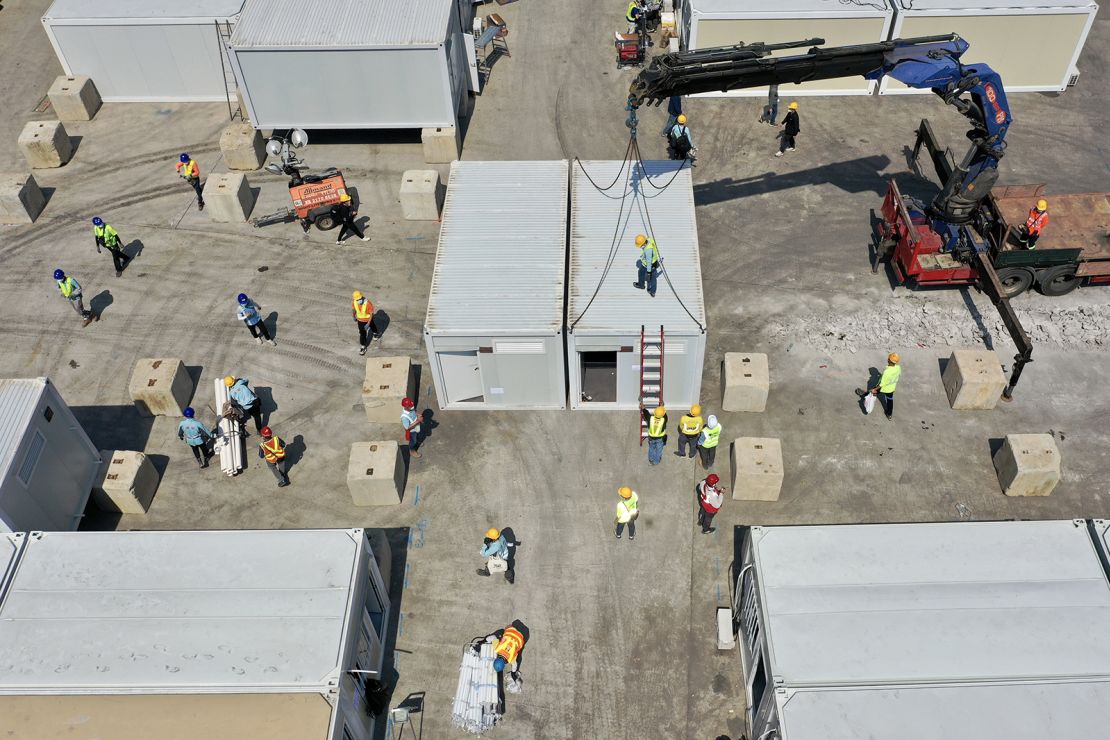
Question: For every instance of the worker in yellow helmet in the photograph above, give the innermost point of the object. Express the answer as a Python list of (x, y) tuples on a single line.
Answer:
[(628, 508), (791, 126), (498, 553), (362, 309), (689, 429), (1030, 231), (888, 381), (656, 421), (344, 214), (647, 265)]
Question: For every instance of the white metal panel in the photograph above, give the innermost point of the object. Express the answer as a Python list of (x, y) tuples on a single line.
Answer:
[(603, 249), (18, 400), (133, 12), (342, 24), (462, 375), (976, 5), (928, 603), (10, 545), (789, 8), (169, 612), (500, 264)]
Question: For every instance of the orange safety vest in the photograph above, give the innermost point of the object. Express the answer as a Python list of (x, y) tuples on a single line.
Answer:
[(508, 647), (364, 311), (190, 167), (274, 450), (1037, 220)]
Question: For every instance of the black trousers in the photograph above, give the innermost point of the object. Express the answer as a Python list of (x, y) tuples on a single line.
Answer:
[(366, 332), (887, 400), (255, 413), (631, 528), (705, 519), (119, 259), (349, 226), (259, 329), (786, 142), (708, 455), (200, 452)]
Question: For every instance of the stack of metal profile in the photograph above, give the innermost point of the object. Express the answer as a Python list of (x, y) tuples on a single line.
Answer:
[(478, 701)]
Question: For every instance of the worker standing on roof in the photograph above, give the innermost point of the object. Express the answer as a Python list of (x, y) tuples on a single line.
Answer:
[(196, 435), (272, 449), (710, 497), (362, 309), (689, 429), (888, 381), (241, 396), (791, 126), (656, 421), (498, 555), (189, 170), (647, 265), (628, 509), (1030, 232), (248, 313), (707, 442), (410, 422), (680, 142), (345, 214), (71, 291), (106, 236)]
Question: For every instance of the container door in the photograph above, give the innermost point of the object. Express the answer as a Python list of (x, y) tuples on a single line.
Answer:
[(462, 376)]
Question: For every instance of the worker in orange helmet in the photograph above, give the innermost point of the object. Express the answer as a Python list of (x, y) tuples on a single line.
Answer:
[(1030, 231), (344, 213), (888, 381)]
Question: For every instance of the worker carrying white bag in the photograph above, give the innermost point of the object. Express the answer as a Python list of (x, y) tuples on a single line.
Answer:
[(497, 549)]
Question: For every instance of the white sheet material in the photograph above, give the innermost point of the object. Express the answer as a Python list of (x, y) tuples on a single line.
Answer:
[(478, 700), (229, 435)]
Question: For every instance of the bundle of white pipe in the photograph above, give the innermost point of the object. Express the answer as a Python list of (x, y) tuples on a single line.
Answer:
[(477, 706), (229, 435)]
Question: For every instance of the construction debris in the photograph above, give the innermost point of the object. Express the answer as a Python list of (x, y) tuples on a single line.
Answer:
[(479, 702)]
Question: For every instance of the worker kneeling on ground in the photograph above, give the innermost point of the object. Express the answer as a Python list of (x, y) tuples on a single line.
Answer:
[(1030, 231), (496, 550), (507, 645)]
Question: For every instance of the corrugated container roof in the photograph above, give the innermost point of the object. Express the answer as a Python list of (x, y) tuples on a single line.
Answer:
[(661, 191), (136, 11), (932, 603), (170, 611), (342, 23), (989, 5), (18, 400), (764, 9), (502, 250), (10, 544)]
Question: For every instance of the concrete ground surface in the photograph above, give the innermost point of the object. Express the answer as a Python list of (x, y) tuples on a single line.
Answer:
[(623, 634)]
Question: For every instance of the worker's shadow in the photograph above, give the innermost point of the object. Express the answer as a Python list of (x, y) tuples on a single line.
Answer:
[(427, 424), (271, 323), (294, 451), (381, 322), (133, 249), (510, 538), (100, 302), (266, 404), (872, 381)]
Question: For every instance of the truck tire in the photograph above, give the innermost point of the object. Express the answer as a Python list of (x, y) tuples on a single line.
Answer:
[(325, 222), (1014, 281), (1059, 280)]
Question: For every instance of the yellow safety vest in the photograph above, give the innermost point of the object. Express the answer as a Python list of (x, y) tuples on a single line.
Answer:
[(108, 234), (68, 287), (690, 425), (628, 13), (627, 508), (657, 427), (510, 644), (273, 450), (364, 310), (712, 436), (189, 169), (889, 380)]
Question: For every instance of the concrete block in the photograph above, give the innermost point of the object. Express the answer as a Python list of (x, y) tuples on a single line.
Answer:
[(973, 379), (228, 197), (161, 387), (745, 379), (376, 474), (756, 469), (441, 145), (21, 200), (421, 195), (387, 381), (45, 144), (1028, 465), (126, 483), (74, 98), (243, 147), (726, 635)]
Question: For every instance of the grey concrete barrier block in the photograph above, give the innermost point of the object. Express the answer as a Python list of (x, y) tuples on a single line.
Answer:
[(228, 197), (973, 379), (242, 147), (161, 387), (126, 483), (376, 474), (441, 145), (387, 381), (45, 144), (21, 199), (74, 98), (745, 382), (421, 195), (757, 471), (1028, 465)]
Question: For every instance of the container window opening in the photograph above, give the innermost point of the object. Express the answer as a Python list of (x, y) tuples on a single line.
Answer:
[(599, 376)]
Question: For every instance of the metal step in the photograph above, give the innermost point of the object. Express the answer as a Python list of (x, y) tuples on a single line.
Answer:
[(649, 375)]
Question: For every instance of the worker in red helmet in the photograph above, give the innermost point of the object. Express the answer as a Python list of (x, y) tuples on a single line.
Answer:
[(410, 422), (273, 450), (710, 495)]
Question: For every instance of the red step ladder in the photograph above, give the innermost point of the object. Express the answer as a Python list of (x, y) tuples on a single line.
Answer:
[(651, 375)]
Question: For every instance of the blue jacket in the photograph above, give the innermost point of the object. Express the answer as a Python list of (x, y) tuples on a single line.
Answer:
[(679, 131), (193, 432), (242, 394), (249, 313), (674, 105), (498, 548)]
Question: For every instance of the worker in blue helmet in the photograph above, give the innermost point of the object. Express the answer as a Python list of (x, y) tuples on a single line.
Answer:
[(71, 291), (250, 315), (196, 435), (507, 646), (189, 170), (107, 237)]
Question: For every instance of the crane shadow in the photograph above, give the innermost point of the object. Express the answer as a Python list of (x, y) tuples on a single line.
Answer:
[(861, 175)]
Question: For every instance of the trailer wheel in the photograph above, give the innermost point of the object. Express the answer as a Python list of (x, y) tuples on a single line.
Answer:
[(1059, 280), (1014, 281), (325, 222)]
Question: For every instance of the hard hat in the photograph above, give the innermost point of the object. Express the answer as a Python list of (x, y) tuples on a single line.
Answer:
[(659, 412), (98, 221), (59, 274), (493, 533), (188, 412), (229, 380), (344, 198), (641, 240), (712, 479), (356, 296), (243, 300), (185, 158), (695, 410), (793, 105), (711, 422), (625, 492), (681, 118), (407, 403), (266, 432), (1042, 205), (893, 357), (499, 664)]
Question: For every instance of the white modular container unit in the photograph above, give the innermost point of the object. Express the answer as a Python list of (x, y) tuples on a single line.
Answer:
[(605, 312), (986, 630), (351, 64), (1033, 44), (144, 50), (494, 327), (707, 23), (185, 635), (48, 465)]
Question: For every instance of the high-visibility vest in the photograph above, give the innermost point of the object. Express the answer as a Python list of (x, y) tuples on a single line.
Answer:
[(627, 507), (364, 310), (628, 13), (649, 254), (657, 426), (1037, 220), (690, 425), (69, 287), (189, 169), (108, 234), (273, 450), (508, 647), (712, 436), (889, 379)]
